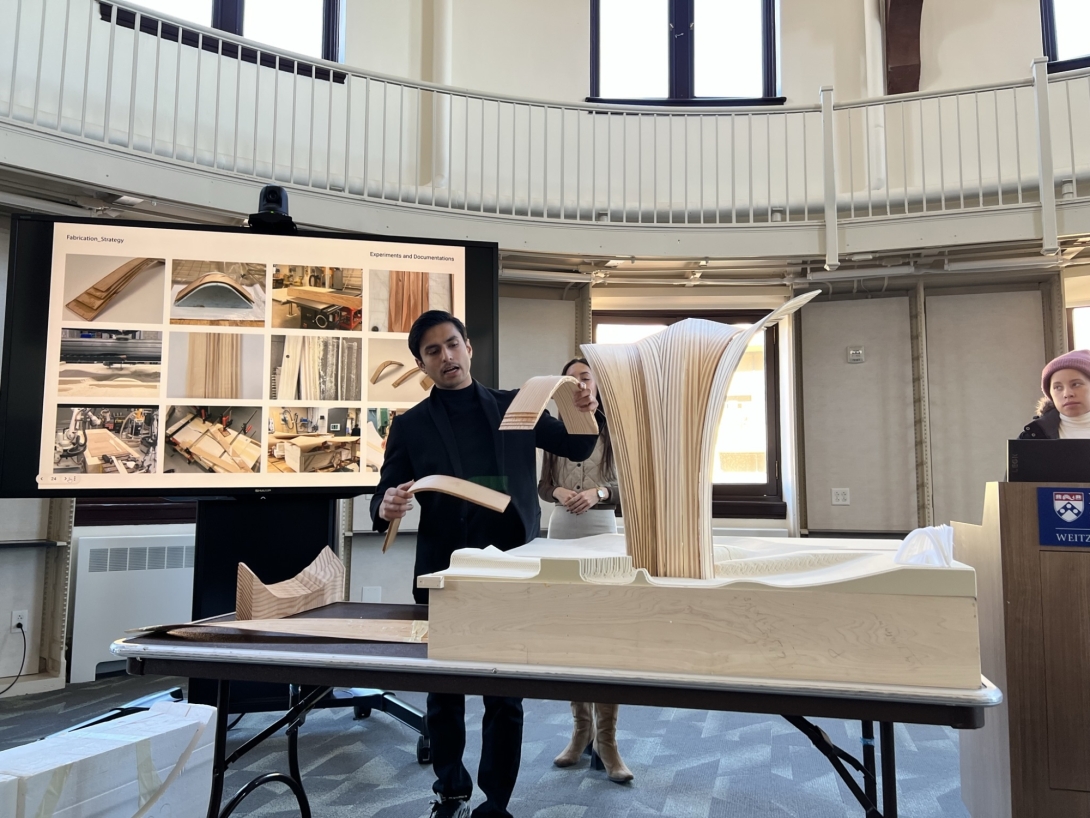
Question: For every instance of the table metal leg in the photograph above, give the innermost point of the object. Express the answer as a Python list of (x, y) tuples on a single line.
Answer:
[(219, 752), (870, 782), (838, 757), (889, 770)]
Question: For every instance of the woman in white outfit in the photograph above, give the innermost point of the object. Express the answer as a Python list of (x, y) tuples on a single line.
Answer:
[(586, 498)]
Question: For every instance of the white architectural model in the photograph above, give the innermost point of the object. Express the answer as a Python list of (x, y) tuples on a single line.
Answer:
[(665, 598), (828, 611)]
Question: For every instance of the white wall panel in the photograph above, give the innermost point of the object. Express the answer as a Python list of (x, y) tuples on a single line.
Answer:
[(858, 421), (984, 361), (537, 337)]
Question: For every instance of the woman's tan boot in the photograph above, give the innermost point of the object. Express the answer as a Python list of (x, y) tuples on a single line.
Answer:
[(581, 735), (605, 743)]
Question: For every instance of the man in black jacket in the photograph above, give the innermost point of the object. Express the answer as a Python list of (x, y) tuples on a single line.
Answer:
[(455, 431)]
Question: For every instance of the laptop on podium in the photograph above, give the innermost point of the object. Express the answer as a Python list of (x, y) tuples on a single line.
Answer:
[(1048, 461)]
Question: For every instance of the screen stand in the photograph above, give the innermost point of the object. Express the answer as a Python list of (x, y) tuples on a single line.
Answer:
[(277, 538)]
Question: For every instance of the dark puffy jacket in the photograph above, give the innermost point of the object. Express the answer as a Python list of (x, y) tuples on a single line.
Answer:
[(1045, 424)]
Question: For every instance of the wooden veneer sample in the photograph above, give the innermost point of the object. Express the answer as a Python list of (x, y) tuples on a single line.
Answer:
[(525, 410), (90, 302), (457, 487), (320, 583), (368, 630)]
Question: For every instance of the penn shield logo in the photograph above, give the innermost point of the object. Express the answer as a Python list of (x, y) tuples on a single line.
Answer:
[(1069, 505)]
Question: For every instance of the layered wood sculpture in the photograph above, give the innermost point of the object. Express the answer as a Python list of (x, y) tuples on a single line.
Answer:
[(320, 583), (93, 300), (455, 486), (525, 410), (664, 397)]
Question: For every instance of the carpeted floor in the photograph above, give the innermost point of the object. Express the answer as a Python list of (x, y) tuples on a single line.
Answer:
[(688, 763)]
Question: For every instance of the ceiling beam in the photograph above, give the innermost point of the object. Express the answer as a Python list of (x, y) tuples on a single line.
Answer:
[(903, 46)]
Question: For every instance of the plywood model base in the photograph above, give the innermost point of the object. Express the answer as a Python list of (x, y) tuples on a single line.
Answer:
[(807, 615)]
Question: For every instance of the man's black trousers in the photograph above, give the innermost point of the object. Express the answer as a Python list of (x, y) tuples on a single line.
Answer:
[(501, 749)]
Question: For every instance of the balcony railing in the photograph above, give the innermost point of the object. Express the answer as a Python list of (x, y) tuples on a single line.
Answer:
[(112, 74)]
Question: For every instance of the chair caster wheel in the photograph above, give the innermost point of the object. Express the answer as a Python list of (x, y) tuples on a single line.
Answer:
[(423, 750), (360, 712)]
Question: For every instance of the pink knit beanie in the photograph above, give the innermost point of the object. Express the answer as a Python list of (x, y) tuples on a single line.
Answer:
[(1077, 359)]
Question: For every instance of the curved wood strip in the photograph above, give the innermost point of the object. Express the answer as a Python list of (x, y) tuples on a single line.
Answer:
[(410, 374), (382, 368), (456, 487), (214, 279), (534, 396)]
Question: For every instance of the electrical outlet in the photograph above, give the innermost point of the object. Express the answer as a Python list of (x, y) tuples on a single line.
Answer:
[(842, 497), (18, 618), (371, 593)]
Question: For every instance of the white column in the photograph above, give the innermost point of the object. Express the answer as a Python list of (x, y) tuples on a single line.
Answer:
[(442, 74), (875, 121)]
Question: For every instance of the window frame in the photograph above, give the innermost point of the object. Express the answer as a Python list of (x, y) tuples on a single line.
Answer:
[(1051, 45), (681, 60), (732, 501)]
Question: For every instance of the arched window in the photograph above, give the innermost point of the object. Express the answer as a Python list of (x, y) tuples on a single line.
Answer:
[(310, 28), (683, 52), (1065, 27)]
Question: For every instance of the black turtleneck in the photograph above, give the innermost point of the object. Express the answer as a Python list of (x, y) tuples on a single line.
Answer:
[(477, 451)]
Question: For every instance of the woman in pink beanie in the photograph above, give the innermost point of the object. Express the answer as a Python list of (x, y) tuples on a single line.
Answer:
[(1064, 411)]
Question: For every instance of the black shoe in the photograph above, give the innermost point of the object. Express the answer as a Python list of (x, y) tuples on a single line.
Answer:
[(450, 808)]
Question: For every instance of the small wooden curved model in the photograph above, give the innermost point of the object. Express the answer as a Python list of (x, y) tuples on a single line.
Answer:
[(320, 583), (412, 373), (525, 410), (214, 282), (382, 368), (456, 487)]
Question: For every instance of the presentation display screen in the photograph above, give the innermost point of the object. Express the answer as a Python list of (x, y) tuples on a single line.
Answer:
[(170, 360)]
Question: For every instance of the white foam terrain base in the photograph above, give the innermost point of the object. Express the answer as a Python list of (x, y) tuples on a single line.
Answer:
[(160, 760), (807, 610)]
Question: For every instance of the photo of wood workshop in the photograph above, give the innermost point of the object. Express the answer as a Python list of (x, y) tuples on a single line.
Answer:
[(313, 439), (216, 439), (217, 293), (571, 409), (317, 298), (120, 440), (375, 433)]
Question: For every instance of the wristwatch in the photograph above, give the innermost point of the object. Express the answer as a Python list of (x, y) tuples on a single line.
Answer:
[(602, 493)]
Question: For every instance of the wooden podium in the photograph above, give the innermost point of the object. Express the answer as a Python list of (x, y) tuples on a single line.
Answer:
[(1032, 758)]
